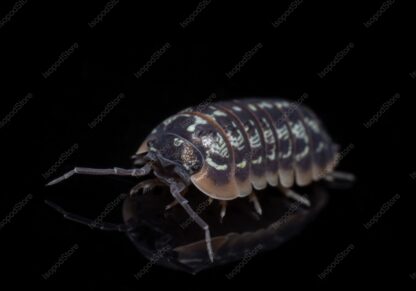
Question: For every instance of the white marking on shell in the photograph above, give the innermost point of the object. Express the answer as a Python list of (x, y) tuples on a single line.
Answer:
[(265, 105), (313, 124), (220, 148), (197, 121), (255, 138), (170, 120), (303, 154), (270, 140), (219, 113), (215, 145), (282, 104), (236, 139), (188, 109), (252, 107), (257, 161), (207, 141), (272, 156), (268, 136), (320, 147), (215, 165), (298, 130), (242, 164), (236, 108), (289, 152), (268, 133), (283, 134)]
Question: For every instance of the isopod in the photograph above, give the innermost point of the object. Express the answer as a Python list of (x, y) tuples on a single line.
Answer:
[(229, 150)]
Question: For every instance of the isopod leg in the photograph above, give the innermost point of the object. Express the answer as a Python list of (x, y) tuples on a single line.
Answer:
[(146, 185), (295, 196), (340, 176), (171, 205), (223, 212), (175, 202), (140, 159), (256, 203), (176, 189), (86, 221), (112, 171)]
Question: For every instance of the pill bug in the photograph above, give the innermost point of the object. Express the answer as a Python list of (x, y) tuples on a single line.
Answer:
[(228, 150)]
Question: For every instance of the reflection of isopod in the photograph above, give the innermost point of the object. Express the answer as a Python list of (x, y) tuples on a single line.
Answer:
[(225, 150)]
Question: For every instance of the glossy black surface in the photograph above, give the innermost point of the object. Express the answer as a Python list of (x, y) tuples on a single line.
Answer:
[(54, 131)]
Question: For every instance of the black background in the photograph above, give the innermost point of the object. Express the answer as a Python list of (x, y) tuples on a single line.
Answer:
[(194, 67)]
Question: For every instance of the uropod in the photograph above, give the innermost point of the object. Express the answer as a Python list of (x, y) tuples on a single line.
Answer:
[(228, 150)]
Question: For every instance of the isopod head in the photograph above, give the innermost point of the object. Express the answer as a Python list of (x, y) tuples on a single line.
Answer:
[(173, 151)]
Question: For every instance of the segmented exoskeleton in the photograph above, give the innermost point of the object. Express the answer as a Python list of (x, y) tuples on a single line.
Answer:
[(228, 150)]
